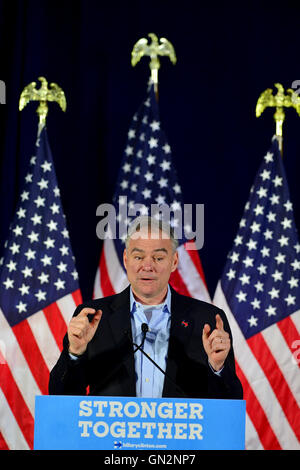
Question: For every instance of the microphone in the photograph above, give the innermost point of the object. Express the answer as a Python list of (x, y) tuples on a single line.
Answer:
[(145, 329)]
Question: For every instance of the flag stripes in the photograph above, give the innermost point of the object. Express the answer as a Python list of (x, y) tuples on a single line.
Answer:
[(270, 415), (39, 292)]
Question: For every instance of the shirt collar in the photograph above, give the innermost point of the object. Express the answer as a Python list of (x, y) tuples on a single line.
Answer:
[(166, 306)]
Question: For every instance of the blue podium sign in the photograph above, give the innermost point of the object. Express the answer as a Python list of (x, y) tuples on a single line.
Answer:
[(110, 423)]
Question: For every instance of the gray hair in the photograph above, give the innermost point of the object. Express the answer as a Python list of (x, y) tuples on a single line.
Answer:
[(154, 225)]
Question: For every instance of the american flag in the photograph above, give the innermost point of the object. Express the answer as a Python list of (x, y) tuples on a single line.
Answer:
[(260, 293), (147, 176), (39, 292)]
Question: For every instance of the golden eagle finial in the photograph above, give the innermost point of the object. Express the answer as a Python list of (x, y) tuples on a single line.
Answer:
[(156, 48), (43, 94), (278, 101)]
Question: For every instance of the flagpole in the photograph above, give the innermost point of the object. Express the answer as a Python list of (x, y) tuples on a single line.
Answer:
[(43, 95), (156, 48), (279, 101)]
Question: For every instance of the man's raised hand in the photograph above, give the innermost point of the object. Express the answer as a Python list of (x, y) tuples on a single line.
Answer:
[(81, 330), (216, 343)]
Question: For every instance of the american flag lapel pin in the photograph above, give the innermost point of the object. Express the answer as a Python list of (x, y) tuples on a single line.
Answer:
[(184, 323)]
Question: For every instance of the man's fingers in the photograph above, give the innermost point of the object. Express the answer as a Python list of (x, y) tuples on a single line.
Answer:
[(96, 318), (86, 311), (219, 322), (206, 330)]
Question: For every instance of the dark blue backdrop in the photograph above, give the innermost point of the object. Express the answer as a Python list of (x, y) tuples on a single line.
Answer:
[(227, 56)]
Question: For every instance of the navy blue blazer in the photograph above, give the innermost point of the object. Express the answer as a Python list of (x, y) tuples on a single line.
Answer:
[(107, 366)]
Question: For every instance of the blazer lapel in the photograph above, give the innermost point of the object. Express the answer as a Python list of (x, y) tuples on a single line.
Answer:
[(180, 333), (120, 325)]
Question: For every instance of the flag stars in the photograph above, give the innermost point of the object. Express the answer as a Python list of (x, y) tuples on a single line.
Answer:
[(259, 210), (40, 201), (36, 219), (277, 181), (277, 275), (43, 184), (22, 307), (148, 176), (265, 174), (21, 213), (18, 231), (251, 244), (271, 216), (268, 234), (280, 258), (24, 289), (231, 274), (165, 165), (12, 266), (265, 251), (153, 143), (124, 184), (283, 241), (234, 257), (255, 304), (259, 286), (245, 279), (241, 296), (59, 284), (9, 283), (14, 248), (27, 272), (126, 167), (50, 242), (288, 206), (295, 265), (290, 299), (293, 282), (33, 237), (25, 196), (286, 223), (269, 157), (46, 166), (261, 192), (52, 225), (163, 182), (252, 321), (151, 160), (28, 178), (62, 267), (271, 311), (54, 208), (30, 254), (155, 126), (131, 134), (166, 148), (64, 250), (43, 278), (255, 227), (248, 262), (262, 268), (40, 295), (129, 150), (56, 192), (65, 233), (146, 193), (177, 188), (274, 199), (46, 260), (274, 293)]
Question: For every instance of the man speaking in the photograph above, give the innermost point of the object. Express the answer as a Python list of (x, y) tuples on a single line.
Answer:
[(148, 341)]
